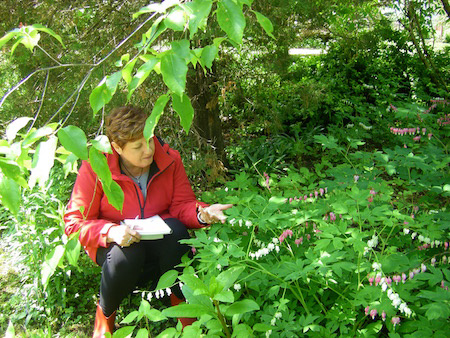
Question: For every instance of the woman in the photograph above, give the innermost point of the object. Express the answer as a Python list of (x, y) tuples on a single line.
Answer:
[(154, 182)]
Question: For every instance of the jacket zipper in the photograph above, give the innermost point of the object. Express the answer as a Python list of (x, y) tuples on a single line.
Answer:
[(142, 206)]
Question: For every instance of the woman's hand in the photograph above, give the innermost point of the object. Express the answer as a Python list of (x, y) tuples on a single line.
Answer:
[(214, 213), (122, 235)]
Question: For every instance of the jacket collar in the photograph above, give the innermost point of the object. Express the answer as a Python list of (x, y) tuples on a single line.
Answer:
[(162, 158)]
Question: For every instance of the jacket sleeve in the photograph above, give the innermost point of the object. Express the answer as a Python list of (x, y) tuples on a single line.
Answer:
[(83, 210), (184, 204)]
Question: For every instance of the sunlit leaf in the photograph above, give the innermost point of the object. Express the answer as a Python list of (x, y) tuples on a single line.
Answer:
[(43, 161), (176, 20), (52, 260), (13, 128), (265, 23), (114, 194), (49, 32), (231, 19), (186, 310), (184, 109), (243, 306), (154, 117), (167, 279), (209, 54), (174, 70), (101, 143), (142, 73), (74, 140), (198, 11), (10, 194)]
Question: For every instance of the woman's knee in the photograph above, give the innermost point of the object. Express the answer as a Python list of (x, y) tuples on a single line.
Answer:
[(127, 259), (179, 230)]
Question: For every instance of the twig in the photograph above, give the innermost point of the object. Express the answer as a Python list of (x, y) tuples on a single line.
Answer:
[(42, 100)]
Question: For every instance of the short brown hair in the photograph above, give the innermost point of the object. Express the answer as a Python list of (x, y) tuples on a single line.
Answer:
[(125, 124)]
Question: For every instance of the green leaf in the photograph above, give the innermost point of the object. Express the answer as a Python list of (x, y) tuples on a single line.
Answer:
[(174, 70), (43, 161), (228, 277), (49, 32), (115, 195), (52, 260), (104, 91), (437, 310), (231, 20), (10, 194), (124, 332), (176, 20), (12, 170), (167, 280), (100, 166), (74, 140), (243, 306), (395, 262), (142, 333), (153, 119), (198, 11), (181, 49), (265, 23), (8, 36), (187, 310), (209, 54), (13, 128), (37, 134), (184, 109), (101, 143), (168, 333), (194, 283), (73, 250), (130, 317), (225, 296), (142, 73), (126, 71)]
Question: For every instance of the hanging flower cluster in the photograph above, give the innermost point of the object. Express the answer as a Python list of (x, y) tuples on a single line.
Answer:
[(444, 120), (265, 249), (411, 131), (311, 196)]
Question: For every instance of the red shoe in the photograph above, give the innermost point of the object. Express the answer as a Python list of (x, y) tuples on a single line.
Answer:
[(174, 300), (103, 324)]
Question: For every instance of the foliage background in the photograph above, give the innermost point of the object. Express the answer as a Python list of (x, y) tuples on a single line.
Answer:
[(284, 126)]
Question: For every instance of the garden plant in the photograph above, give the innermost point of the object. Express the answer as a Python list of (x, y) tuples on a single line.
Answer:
[(337, 167)]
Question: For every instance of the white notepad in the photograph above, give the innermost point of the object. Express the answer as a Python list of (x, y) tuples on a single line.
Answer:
[(149, 228)]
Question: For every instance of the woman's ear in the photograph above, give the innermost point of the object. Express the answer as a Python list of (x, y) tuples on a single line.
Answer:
[(117, 148)]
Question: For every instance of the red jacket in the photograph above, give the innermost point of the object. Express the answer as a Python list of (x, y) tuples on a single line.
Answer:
[(169, 194)]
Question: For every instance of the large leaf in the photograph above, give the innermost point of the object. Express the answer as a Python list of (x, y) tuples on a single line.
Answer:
[(153, 119), (104, 91), (8, 36), (48, 31), (231, 20), (243, 306), (10, 194), (198, 11), (73, 250), (265, 23), (187, 310), (52, 260), (43, 161), (209, 54), (184, 109), (13, 128), (115, 195), (112, 190), (228, 277), (142, 73), (100, 166), (176, 20), (74, 140), (174, 70), (12, 170), (181, 49), (101, 143), (167, 279)]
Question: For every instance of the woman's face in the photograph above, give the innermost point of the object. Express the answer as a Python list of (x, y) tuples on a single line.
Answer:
[(137, 154)]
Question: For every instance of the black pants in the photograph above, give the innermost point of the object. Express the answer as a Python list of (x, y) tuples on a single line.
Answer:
[(124, 268)]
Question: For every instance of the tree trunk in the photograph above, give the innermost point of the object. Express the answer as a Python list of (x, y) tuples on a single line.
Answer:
[(202, 88)]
